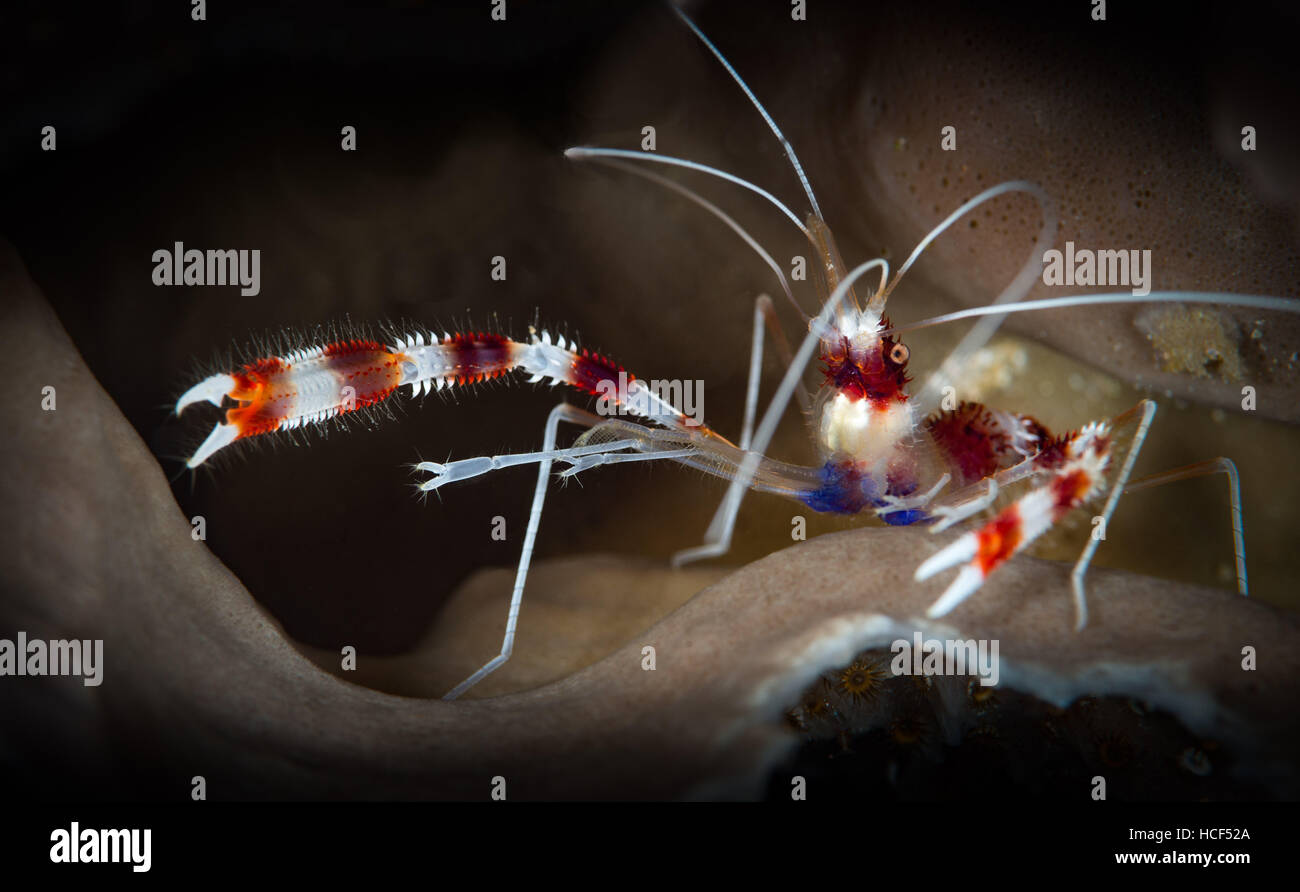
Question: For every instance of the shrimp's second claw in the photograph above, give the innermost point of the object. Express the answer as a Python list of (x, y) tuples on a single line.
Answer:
[(963, 550), (462, 469), (439, 472), (222, 436), (213, 389)]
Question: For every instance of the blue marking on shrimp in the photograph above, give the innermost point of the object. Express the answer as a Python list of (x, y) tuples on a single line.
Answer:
[(846, 489)]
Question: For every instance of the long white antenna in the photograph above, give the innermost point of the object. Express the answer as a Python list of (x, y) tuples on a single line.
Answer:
[(1261, 302), (785, 143), (717, 212), (584, 153)]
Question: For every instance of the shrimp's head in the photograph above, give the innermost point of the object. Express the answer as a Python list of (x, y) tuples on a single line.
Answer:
[(864, 409), (861, 363)]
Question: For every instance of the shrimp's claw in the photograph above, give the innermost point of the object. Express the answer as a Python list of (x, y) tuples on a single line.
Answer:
[(963, 550), (982, 551), (212, 389), (222, 436)]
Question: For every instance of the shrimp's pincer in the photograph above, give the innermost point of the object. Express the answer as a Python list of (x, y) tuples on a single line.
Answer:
[(313, 385)]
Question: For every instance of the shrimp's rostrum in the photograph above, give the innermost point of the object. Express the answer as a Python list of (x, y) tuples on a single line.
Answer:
[(906, 456)]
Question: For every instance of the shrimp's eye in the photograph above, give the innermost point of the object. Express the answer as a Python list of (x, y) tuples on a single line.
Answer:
[(899, 354)]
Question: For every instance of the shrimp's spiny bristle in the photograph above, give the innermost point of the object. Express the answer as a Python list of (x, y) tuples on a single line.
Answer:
[(978, 441), (347, 348), (590, 369)]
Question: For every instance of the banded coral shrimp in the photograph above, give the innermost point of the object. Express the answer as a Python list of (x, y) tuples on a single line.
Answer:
[(889, 483)]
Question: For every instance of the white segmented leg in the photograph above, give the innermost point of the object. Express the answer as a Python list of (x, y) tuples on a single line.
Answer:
[(907, 503), (466, 468), (717, 540), (1148, 409), (954, 514), (562, 412)]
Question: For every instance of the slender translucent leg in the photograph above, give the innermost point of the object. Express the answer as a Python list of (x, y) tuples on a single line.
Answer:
[(783, 351), (562, 412), (764, 315), (755, 375), (1145, 411), (1218, 465), (717, 540), (702, 452), (466, 468), (598, 458)]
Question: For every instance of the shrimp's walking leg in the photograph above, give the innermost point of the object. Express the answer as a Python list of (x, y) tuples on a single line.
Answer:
[(693, 449), (466, 468), (1218, 465), (562, 412), (763, 308), (717, 540), (725, 515), (1147, 408)]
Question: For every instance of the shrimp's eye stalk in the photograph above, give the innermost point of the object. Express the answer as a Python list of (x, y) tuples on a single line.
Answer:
[(899, 354)]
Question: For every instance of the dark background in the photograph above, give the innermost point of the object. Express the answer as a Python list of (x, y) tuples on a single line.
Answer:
[(225, 134)]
